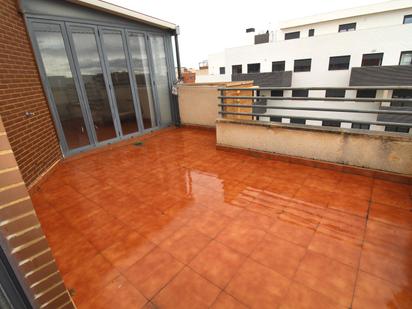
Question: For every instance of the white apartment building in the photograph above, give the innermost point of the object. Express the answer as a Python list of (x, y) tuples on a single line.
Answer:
[(364, 46)]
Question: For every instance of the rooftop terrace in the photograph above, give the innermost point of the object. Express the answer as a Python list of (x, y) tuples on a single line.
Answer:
[(176, 223)]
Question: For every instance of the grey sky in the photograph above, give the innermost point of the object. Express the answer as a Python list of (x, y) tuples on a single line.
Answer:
[(210, 26)]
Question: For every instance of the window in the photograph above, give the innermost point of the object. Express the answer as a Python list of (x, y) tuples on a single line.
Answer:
[(335, 93), (278, 66), (300, 93), (237, 69), (331, 123), (339, 63), (222, 70), (407, 19), (397, 129), (276, 93), (347, 27), (369, 60), (292, 35), (366, 93), (253, 68), (401, 94), (276, 119), (363, 126), (311, 32), (406, 58), (302, 65), (298, 120)]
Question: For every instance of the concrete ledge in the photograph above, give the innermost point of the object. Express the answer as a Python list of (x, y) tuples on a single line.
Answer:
[(378, 151)]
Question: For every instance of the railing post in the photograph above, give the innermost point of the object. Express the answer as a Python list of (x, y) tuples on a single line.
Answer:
[(222, 102), (255, 93)]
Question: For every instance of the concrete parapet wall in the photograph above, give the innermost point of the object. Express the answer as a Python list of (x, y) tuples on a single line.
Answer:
[(374, 150)]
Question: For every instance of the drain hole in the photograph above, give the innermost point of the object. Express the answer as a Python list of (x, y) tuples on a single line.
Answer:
[(138, 143)]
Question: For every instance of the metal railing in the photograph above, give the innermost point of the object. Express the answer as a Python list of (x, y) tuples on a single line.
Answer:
[(260, 102)]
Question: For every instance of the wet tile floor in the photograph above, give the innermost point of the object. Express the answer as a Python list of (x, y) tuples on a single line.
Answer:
[(175, 223)]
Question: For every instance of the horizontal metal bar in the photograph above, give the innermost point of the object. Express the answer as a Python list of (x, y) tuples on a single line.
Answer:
[(321, 88), (316, 99), (381, 123), (366, 111)]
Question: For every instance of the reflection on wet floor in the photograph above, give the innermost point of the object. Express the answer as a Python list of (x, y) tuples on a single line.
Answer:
[(175, 223)]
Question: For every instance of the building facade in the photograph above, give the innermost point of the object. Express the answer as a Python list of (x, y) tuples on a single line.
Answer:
[(366, 46)]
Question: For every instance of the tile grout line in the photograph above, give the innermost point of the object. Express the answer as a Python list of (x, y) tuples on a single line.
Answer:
[(248, 256), (121, 272), (183, 263), (200, 251), (301, 260), (266, 232), (362, 247), (307, 249)]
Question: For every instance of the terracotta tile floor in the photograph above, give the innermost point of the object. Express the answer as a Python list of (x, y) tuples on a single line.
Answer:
[(175, 223)]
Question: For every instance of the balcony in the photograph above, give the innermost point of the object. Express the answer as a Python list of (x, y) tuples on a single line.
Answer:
[(175, 223), (232, 211), (389, 75), (262, 38), (266, 79), (116, 193)]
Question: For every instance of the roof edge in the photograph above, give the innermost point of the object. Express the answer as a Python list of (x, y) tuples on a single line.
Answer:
[(126, 13), (376, 8)]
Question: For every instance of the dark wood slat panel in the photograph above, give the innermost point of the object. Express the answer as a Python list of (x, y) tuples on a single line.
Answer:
[(390, 75)]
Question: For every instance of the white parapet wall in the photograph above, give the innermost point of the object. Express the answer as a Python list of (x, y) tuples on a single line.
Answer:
[(375, 150)]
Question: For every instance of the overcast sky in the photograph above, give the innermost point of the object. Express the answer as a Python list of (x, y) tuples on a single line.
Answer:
[(210, 26)]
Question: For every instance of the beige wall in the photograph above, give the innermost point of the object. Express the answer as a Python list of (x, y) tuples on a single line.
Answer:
[(198, 104), (379, 151)]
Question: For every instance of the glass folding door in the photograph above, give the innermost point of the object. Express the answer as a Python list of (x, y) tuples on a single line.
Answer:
[(63, 89), (115, 51), (93, 81), (103, 83), (142, 78), (157, 46)]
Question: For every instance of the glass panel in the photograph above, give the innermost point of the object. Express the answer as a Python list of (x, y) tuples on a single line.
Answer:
[(406, 58), (92, 75), (160, 74), (53, 53), (137, 46), (113, 45), (372, 60)]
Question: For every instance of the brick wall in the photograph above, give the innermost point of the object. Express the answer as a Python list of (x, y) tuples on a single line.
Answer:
[(33, 139), (23, 240)]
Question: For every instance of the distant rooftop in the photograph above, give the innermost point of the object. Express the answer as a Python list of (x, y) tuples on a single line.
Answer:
[(351, 12)]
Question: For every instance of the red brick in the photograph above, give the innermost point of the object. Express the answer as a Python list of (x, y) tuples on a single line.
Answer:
[(34, 141)]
